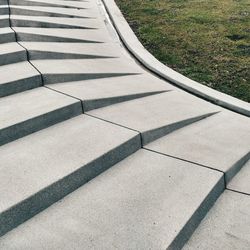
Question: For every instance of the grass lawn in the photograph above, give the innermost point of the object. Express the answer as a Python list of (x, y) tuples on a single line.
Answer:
[(205, 40)]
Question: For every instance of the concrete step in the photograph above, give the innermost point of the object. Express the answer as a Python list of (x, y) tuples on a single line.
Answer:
[(147, 201), (52, 3), (99, 93), (3, 2), (221, 142), (55, 22), (41, 168), (226, 226), (158, 115), (32, 110), (4, 21), (49, 50), (61, 35), (18, 77), (12, 53), (52, 12), (7, 35), (4, 9), (57, 71), (241, 182)]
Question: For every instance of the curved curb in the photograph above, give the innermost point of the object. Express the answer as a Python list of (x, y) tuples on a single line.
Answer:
[(150, 62)]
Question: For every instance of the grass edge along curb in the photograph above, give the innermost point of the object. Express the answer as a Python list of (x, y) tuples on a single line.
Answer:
[(150, 62)]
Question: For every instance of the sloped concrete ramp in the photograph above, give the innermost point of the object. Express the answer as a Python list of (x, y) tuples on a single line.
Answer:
[(97, 152)]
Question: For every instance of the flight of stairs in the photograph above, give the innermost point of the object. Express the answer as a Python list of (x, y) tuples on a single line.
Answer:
[(112, 156)]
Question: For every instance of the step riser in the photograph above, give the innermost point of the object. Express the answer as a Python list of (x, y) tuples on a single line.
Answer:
[(7, 38), (23, 12), (30, 126), (196, 218), (46, 197), (37, 24), (4, 23), (35, 3), (20, 85), (4, 11), (25, 37), (3, 2), (15, 57)]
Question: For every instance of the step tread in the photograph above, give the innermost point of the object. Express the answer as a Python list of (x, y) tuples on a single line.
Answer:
[(241, 182), (141, 203), (65, 155), (218, 142), (8, 48), (102, 50), (16, 71), (77, 35), (112, 87), (89, 12), (55, 3), (56, 22), (226, 226), (155, 111), (6, 30), (32, 103)]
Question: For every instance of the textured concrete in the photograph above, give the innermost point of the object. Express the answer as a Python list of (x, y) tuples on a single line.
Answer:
[(103, 92), (241, 182), (141, 203), (61, 35), (42, 168), (11, 53), (7, 35), (39, 108), (72, 58), (54, 12), (219, 142), (18, 77), (159, 111), (55, 71), (68, 51), (53, 22), (4, 21), (227, 225)]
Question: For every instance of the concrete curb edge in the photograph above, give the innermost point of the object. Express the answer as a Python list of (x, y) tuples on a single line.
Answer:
[(150, 62)]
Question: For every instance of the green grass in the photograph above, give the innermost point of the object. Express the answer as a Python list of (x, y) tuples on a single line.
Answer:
[(207, 41)]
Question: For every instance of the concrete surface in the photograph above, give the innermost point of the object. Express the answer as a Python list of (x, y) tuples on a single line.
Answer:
[(154, 115), (70, 55), (60, 159), (7, 35), (218, 142), (32, 110), (61, 35), (141, 203), (227, 225), (18, 77), (11, 53), (241, 182), (107, 91)]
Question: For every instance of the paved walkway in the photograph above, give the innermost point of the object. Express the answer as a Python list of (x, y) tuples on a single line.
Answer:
[(75, 109)]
